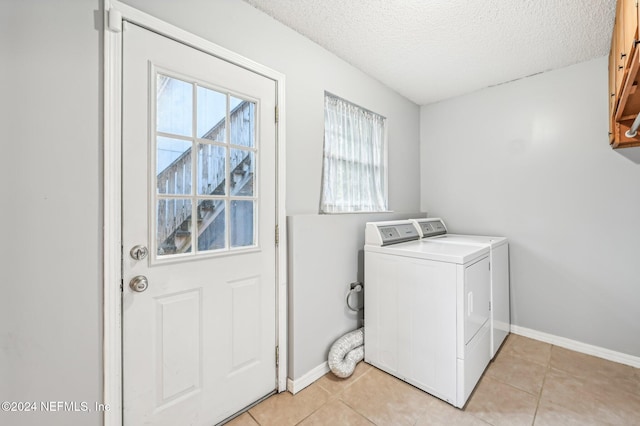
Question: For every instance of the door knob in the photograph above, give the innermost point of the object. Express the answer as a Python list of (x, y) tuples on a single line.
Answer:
[(139, 283), (139, 252)]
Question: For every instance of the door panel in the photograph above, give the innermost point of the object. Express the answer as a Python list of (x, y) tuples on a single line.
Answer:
[(179, 340), (199, 191)]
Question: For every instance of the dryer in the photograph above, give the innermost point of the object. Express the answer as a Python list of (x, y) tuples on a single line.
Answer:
[(434, 229), (426, 310)]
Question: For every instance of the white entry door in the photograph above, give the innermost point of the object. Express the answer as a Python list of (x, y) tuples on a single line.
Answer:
[(199, 254)]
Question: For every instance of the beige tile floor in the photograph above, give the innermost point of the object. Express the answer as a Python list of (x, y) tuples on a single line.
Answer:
[(529, 382)]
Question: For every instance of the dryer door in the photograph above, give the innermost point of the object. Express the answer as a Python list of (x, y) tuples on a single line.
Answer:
[(477, 297)]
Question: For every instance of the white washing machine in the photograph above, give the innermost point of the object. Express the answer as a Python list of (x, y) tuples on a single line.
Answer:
[(426, 310), (434, 229)]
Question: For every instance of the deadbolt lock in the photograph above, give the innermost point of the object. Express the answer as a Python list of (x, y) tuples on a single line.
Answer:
[(139, 252)]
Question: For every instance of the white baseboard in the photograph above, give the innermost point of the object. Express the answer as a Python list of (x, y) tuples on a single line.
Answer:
[(574, 345), (295, 386)]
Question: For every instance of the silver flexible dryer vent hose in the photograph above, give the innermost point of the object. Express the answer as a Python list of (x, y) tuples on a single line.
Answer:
[(346, 352)]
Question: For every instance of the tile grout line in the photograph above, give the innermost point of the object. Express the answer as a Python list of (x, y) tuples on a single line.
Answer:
[(544, 381), (350, 384), (548, 366), (539, 395), (321, 405), (357, 412), (581, 377), (254, 419), (311, 413), (331, 397), (371, 367)]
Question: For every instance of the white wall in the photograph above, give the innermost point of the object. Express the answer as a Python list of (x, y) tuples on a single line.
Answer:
[(530, 160), (309, 70), (50, 112), (50, 330)]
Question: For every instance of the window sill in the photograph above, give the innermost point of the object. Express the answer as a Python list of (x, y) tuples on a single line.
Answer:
[(371, 212)]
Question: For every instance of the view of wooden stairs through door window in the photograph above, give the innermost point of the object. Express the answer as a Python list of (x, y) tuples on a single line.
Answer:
[(175, 236)]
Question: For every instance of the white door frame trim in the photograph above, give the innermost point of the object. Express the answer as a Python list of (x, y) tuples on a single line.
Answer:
[(114, 13)]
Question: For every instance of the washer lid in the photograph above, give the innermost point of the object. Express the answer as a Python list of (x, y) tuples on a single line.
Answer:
[(476, 240), (432, 250)]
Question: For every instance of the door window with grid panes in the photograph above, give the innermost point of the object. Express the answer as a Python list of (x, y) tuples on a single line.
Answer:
[(205, 162)]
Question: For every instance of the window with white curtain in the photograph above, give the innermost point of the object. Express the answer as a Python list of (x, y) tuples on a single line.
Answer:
[(354, 174)]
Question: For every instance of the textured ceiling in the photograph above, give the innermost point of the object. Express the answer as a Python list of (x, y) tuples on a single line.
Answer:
[(428, 50)]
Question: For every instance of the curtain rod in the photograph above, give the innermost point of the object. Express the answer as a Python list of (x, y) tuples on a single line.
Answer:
[(355, 105)]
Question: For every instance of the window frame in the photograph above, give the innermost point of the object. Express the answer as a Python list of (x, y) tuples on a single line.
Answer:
[(194, 197), (383, 164)]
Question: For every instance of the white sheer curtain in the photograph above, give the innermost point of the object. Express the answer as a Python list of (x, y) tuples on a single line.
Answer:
[(354, 166)]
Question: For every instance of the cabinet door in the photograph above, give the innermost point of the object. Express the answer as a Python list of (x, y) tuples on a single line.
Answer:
[(612, 89), (630, 23), (625, 32), (618, 34)]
